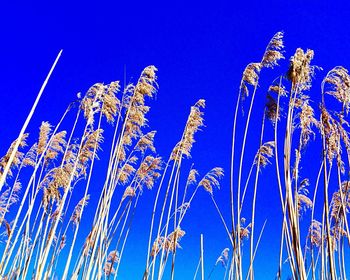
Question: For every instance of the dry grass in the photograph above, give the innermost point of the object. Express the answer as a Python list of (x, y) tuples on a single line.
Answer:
[(46, 221)]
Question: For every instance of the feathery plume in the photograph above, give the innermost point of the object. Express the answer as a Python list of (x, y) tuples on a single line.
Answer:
[(56, 178), (271, 109), (183, 208), (273, 51), (146, 142), (194, 122), (30, 157), (192, 176), (307, 119), (147, 173), (126, 172), (303, 201), (223, 258), (344, 135), (157, 246), (339, 80), (75, 218), (146, 84), (329, 130), (315, 233), (102, 98), (244, 233), (169, 244), (18, 156), (278, 89), (272, 55), (340, 206), (91, 103), (92, 142), (129, 192), (45, 130), (337, 205), (134, 101), (300, 71), (250, 76), (111, 104), (211, 179), (57, 145), (7, 199), (264, 153), (172, 241)]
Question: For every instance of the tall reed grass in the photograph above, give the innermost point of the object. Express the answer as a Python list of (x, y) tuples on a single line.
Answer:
[(40, 219)]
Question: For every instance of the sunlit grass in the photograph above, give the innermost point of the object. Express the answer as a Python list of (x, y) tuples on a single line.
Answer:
[(46, 221)]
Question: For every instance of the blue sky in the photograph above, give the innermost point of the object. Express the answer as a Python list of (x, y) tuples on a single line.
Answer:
[(200, 49)]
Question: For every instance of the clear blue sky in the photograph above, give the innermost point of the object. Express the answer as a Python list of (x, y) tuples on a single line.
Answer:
[(200, 49)]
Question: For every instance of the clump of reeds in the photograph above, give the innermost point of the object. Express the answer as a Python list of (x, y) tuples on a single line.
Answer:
[(302, 123), (49, 205)]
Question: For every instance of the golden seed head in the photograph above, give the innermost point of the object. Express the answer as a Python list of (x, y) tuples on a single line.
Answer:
[(339, 81), (211, 179), (194, 123), (300, 71), (273, 51)]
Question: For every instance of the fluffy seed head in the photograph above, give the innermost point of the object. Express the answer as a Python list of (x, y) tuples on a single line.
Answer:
[(75, 218), (211, 179), (45, 130), (17, 160), (250, 77), (339, 81), (223, 258), (273, 51), (278, 89), (303, 201), (300, 71), (194, 123), (264, 153), (307, 120), (272, 112), (129, 192), (148, 171), (315, 233)]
